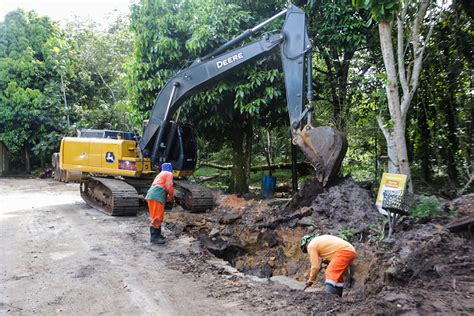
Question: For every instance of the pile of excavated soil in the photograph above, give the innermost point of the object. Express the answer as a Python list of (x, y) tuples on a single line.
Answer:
[(428, 269), (425, 268), (343, 206)]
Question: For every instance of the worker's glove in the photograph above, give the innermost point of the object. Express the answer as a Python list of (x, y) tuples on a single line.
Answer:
[(308, 283)]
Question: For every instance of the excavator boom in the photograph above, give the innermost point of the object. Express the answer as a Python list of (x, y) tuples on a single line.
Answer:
[(324, 147)]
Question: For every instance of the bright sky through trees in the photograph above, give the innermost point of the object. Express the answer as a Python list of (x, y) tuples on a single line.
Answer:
[(65, 10)]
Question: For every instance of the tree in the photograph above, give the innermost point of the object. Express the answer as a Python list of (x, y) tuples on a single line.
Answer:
[(411, 17), (443, 105), (338, 32), (54, 80), (98, 85), (29, 117)]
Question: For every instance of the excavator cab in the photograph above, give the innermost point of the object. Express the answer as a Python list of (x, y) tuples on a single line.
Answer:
[(183, 150)]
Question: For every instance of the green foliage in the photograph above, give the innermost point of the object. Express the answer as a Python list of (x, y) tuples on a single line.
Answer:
[(427, 206), (102, 74), (51, 77), (29, 114), (340, 37), (346, 233), (378, 229), (442, 111), (379, 9), (362, 159), (219, 183), (25, 31), (97, 86)]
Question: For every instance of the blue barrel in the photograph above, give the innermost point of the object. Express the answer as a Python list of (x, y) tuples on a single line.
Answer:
[(268, 187)]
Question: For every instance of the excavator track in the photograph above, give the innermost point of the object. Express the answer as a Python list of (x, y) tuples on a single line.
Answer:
[(111, 196), (193, 197)]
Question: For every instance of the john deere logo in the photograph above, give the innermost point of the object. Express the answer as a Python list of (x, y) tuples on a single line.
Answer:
[(109, 157), (230, 60)]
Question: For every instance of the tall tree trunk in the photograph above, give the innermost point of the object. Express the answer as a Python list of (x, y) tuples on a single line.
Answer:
[(453, 145), (392, 154), (408, 73), (249, 137), (66, 109), (451, 112), (338, 71), (27, 161), (425, 140), (342, 71), (393, 97), (239, 182), (112, 94), (268, 150)]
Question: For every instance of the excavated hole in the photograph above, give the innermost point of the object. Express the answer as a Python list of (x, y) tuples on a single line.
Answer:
[(263, 240)]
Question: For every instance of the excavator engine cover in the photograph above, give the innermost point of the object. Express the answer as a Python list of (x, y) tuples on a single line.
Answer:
[(325, 147)]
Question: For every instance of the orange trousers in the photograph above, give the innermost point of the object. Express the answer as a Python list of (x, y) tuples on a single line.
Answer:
[(157, 213), (337, 267)]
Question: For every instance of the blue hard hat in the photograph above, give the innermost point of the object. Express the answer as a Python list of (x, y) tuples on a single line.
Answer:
[(167, 167)]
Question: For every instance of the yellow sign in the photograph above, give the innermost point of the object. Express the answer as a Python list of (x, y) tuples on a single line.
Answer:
[(390, 181)]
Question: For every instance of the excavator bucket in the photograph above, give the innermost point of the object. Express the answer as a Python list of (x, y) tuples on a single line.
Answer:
[(325, 147)]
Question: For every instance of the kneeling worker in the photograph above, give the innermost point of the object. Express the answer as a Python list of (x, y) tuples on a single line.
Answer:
[(159, 193), (339, 252)]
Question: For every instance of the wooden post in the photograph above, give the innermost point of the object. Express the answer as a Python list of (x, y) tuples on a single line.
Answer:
[(294, 174)]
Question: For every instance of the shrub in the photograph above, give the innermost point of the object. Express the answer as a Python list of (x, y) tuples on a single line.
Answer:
[(427, 206)]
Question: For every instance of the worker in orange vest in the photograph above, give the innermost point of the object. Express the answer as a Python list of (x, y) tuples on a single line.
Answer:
[(337, 251), (160, 192)]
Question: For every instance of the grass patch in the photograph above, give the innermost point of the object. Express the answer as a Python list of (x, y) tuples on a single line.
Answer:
[(222, 182), (347, 234), (282, 176), (219, 183)]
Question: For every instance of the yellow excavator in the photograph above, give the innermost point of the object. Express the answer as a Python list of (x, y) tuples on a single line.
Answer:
[(118, 166)]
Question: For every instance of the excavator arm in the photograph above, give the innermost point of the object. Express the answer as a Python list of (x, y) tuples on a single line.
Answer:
[(324, 146)]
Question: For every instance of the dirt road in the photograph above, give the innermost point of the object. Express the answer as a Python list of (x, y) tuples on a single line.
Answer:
[(60, 256)]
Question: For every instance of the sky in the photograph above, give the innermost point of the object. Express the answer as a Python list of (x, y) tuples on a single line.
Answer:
[(65, 10)]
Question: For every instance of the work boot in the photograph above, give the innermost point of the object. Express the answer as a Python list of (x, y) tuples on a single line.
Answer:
[(331, 289), (159, 233), (155, 236), (339, 290)]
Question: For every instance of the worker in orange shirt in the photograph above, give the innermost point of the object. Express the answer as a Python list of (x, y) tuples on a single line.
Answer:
[(160, 192), (337, 251)]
